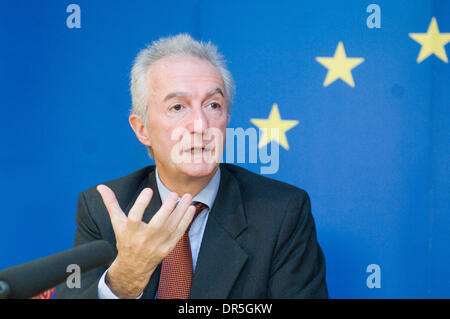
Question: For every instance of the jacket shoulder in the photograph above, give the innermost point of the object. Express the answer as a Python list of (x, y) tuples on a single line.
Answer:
[(256, 184), (268, 199), (124, 187)]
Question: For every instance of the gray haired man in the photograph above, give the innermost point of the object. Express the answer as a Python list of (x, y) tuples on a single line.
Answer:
[(190, 226)]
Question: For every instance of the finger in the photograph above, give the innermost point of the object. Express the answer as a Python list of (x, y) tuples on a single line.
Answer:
[(176, 216), (137, 211), (112, 205), (166, 209), (186, 220)]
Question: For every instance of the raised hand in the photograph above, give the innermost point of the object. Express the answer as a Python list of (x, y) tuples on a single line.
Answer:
[(141, 246)]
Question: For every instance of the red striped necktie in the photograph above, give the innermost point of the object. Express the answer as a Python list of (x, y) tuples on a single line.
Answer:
[(177, 271)]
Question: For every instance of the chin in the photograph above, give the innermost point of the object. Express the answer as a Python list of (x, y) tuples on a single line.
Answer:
[(199, 164), (198, 169)]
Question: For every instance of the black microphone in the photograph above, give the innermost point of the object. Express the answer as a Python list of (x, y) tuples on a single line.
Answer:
[(31, 278)]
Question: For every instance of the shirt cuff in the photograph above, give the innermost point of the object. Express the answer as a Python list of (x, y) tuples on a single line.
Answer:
[(104, 292)]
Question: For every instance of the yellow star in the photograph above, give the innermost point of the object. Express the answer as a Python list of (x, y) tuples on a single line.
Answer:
[(274, 128), (432, 42), (339, 66)]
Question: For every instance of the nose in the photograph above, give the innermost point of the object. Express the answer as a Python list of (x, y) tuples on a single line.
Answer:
[(198, 121)]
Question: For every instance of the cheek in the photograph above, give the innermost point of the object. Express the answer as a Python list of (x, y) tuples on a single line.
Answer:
[(222, 124), (159, 135), (218, 119), (218, 130)]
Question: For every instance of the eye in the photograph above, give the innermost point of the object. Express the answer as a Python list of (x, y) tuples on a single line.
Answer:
[(214, 105), (177, 107)]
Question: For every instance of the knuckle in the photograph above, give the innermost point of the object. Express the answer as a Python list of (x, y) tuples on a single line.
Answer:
[(154, 227), (131, 220), (171, 228)]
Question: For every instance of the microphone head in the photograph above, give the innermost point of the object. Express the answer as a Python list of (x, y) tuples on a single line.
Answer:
[(4, 290), (31, 278)]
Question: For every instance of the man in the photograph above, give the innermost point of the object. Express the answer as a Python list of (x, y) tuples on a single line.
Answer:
[(190, 227)]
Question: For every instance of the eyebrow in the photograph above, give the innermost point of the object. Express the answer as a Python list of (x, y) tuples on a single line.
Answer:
[(183, 94)]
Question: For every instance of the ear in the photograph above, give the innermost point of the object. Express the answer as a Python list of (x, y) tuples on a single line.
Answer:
[(140, 130)]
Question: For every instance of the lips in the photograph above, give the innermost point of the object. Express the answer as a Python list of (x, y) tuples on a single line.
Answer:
[(195, 150)]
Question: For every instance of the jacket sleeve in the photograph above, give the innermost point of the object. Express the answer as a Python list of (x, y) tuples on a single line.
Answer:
[(87, 231), (298, 266)]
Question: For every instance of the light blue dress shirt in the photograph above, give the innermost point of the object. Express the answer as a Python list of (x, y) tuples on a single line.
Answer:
[(207, 196)]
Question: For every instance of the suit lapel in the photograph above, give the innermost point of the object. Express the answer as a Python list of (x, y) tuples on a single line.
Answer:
[(221, 258)]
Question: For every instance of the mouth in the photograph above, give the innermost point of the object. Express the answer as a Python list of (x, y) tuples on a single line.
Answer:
[(197, 150)]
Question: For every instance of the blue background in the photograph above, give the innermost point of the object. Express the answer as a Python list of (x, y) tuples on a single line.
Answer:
[(373, 158)]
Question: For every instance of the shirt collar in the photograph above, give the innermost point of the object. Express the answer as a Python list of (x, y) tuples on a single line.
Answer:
[(207, 195)]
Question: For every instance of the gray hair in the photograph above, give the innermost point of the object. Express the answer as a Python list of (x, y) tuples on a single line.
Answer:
[(179, 45)]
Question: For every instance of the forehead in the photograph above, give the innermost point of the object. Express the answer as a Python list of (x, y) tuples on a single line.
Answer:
[(188, 74)]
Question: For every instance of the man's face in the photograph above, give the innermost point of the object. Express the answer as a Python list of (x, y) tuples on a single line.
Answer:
[(187, 115)]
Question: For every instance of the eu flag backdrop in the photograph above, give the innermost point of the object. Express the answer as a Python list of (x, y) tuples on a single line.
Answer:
[(359, 91)]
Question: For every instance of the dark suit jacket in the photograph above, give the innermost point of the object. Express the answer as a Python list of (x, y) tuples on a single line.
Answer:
[(259, 240)]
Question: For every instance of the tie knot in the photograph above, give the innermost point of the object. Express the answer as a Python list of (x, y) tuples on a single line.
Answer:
[(199, 206)]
